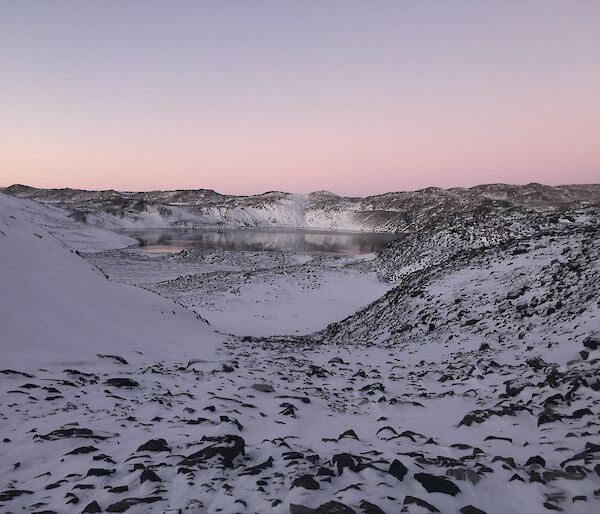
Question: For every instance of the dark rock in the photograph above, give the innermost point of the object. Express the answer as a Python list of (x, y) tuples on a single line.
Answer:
[(547, 416), (469, 509), (397, 469), (117, 358), (552, 506), (346, 460), (154, 445), (149, 475), (99, 472), (104, 457), (55, 485), (228, 447), (73, 499), (263, 388), (498, 438), (436, 484), (289, 409), (536, 459), (65, 433), (123, 505), (92, 507), (325, 472), (371, 388), (579, 413), (121, 382), (306, 482), (408, 500), (334, 507), (300, 509), (592, 342), (12, 493), (119, 489), (469, 419), (370, 508), (82, 449), (348, 433), (255, 470), (514, 387), (292, 455)]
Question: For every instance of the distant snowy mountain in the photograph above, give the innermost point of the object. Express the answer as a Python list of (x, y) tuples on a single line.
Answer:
[(390, 212)]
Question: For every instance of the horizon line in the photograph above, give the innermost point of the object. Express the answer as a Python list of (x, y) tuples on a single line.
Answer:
[(3, 188)]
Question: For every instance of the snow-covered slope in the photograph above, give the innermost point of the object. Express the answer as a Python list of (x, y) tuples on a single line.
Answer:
[(484, 226), (74, 234), (493, 289), (55, 308)]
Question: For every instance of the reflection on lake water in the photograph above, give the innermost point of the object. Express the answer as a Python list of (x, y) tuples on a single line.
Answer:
[(316, 242)]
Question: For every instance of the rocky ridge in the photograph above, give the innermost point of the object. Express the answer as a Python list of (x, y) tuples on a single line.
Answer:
[(390, 212)]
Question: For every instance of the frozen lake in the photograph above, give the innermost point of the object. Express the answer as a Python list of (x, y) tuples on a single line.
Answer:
[(304, 241)]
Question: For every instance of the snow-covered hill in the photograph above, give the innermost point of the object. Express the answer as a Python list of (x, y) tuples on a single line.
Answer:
[(481, 227), (56, 309), (391, 212)]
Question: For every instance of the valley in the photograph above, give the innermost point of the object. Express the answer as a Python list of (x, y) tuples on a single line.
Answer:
[(455, 369)]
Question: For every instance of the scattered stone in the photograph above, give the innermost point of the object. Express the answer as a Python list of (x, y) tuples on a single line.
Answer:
[(154, 445), (370, 508), (150, 476), (122, 382), (263, 388), (469, 509), (436, 484), (123, 505), (227, 447), (307, 482), (334, 507), (397, 469), (92, 507), (412, 500)]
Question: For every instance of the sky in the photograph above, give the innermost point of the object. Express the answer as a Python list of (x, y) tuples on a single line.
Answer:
[(356, 97)]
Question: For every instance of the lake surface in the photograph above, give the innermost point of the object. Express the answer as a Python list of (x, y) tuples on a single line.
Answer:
[(305, 241)]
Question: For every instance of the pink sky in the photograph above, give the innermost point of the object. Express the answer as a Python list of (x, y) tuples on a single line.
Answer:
[(299, 96)]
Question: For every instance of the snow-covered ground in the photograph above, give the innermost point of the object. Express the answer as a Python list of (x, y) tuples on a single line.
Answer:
[(472, 385), (252, 293)]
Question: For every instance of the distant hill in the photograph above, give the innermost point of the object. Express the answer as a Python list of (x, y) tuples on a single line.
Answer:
[(389, 212)]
